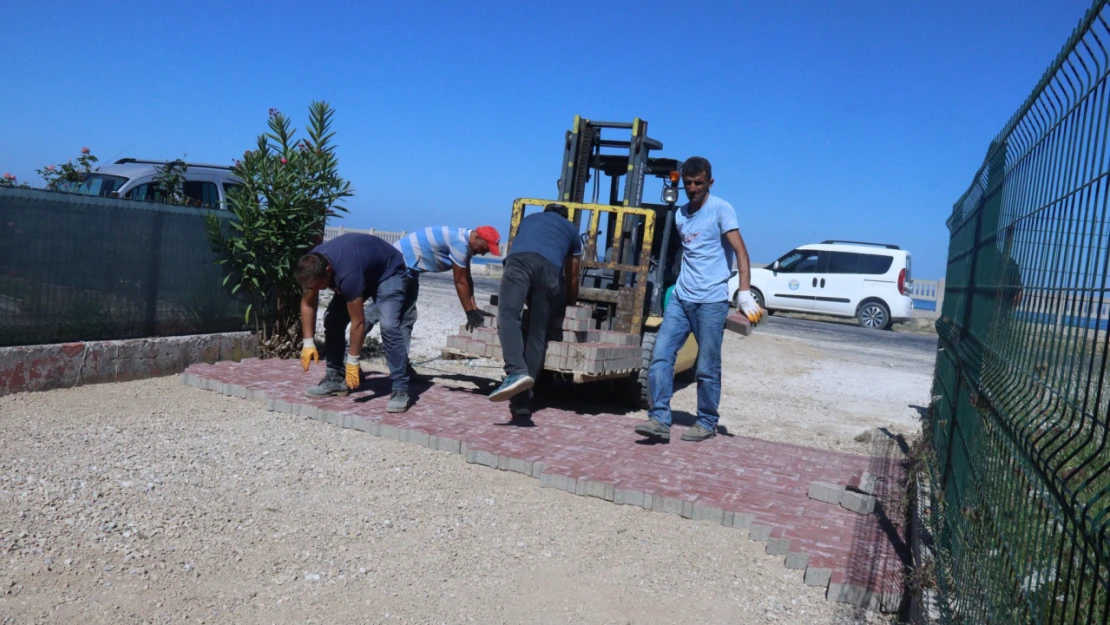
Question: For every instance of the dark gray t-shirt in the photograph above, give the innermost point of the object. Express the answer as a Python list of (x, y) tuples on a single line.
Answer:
[(548, 234), (359, 262)]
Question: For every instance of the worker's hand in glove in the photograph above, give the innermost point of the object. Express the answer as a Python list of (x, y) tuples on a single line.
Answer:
[(309, 354), (476, 318), (354, 372), (747, 305)]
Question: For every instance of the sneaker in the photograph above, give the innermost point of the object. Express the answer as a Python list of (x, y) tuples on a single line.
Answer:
[(654, 429), (697, 434), (398, 402), (513, 385), (333, 385)]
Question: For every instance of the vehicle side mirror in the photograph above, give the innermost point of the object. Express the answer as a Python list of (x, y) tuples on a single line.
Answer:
[(775, 267)]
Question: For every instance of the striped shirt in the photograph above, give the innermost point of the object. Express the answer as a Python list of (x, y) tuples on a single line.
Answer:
[(435, 249)]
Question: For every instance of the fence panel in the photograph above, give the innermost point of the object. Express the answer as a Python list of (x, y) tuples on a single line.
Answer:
[(75, 268), (390, 237), (1019, 465)]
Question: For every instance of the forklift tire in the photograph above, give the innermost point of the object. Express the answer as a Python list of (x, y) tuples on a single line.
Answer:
[(647, 345)]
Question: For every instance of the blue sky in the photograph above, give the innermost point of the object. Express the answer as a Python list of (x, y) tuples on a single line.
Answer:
[(823, 119)]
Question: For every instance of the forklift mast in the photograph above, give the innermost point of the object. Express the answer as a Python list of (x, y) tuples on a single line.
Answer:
[(629, 160)]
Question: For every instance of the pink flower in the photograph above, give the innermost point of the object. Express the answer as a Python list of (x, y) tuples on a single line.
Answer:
[(84, 150), (49, 168), (283, 161)]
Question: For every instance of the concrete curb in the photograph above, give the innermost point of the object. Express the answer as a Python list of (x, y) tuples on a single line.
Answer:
[(62, 365), (776, 544)]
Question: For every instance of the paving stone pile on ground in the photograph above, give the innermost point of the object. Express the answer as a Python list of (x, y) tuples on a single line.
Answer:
[(749, 484)]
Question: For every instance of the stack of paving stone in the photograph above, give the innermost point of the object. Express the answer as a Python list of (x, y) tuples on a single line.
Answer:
[(582, 350)]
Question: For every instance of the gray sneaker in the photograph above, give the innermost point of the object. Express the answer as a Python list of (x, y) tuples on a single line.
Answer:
[(654, 429), (332, 385), (697, 434), (398, 402)]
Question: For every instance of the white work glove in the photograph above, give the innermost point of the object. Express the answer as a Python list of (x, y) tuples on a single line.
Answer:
[(747, 305)]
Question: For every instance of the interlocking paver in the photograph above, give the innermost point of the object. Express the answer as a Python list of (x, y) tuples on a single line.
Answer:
[(754, 485)]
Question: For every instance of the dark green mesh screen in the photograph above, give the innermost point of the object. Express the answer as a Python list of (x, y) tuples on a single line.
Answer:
[(87, 268)]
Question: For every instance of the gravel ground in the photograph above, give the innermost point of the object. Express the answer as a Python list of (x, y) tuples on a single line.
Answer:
[(151, 502)]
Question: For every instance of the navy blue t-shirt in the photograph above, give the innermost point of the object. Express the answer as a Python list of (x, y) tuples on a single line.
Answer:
[(548, 234), (359, 262)]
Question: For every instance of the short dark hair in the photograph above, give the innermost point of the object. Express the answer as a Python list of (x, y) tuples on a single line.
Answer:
[(557, 208), (696, 165), (310, 268)]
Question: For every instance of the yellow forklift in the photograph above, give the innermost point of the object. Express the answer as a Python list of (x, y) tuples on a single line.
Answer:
[(631, 251)]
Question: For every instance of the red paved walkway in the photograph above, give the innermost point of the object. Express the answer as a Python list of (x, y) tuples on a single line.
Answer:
[(738, 482)]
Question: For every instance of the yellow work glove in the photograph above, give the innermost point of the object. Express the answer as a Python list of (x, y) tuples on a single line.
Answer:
[(747, 305), (354, 372), (309, 354)]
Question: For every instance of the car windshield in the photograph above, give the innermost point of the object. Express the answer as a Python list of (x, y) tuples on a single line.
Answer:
[(97, 184)]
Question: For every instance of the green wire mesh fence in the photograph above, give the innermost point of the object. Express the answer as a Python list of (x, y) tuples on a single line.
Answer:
[(79, 268), (1019, 466)]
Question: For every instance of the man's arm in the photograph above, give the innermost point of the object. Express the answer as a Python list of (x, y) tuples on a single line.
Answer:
[(358, 326), (464, 286), (570, 269), (743, 263), (309, 302)]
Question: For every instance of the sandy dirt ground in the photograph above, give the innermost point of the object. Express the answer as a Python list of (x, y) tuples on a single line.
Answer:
[(152, 502)]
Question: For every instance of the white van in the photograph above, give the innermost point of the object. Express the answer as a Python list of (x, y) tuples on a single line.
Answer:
[(868, 281), (205, 186)]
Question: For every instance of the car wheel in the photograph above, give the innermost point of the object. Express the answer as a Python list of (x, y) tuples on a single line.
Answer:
[(874, 315)]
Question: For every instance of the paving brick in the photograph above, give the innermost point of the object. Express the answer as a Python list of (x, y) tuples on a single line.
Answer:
[(673, 505), (863, 483), (759, 532), (517, 465), (706, 512), (578, 312), (479, 456), (826, 492), (366, 425), (737, 322), (852, 594), (418, 438), (778, 546), (817, 576), (857, 502), (796, 560), (594, 488), (631, 497), (390, 431), (558, 482)]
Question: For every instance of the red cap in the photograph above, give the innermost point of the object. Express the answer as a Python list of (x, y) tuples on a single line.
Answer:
[(490, 235)]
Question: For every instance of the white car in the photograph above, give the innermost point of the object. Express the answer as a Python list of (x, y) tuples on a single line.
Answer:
[(205, 186), (868, 281)]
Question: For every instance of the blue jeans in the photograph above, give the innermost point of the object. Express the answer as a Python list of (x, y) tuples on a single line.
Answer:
[(408, 312), (707, 322), (389, 301)]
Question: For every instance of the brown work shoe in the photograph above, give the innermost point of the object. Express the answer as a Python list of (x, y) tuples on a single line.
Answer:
[(654, 429), (697, 434)]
